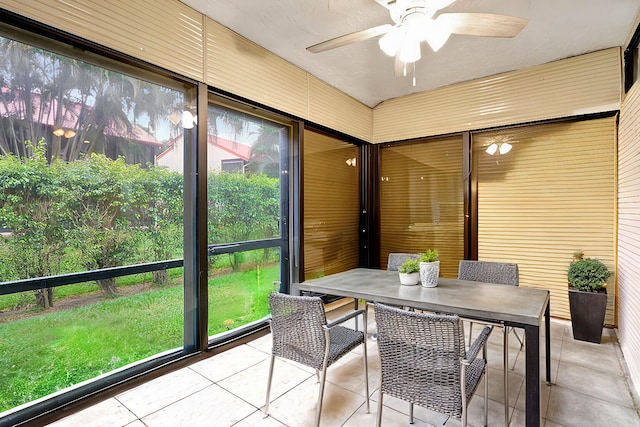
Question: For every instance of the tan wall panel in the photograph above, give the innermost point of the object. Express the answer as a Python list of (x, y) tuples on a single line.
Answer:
[(629, 231), (539, 203), (336, 110), (239, 66), (169, 36), (585, 84)]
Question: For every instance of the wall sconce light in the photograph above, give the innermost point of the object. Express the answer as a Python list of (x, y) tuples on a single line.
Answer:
[(58, 132), (351, 162), (503, 148), (384, 178), (187, 119)]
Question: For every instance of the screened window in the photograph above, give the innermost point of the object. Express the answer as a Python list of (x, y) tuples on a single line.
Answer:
[(80, 190), (246, 154), (421, 200)]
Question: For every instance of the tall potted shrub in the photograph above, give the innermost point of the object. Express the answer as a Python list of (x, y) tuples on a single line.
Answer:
[(587, 297)]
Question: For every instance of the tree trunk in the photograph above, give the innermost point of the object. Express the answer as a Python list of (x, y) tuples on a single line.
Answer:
[(44, 298), (161, 277), (108, 286)]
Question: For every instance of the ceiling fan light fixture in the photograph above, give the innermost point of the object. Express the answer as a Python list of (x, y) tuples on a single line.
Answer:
[(410, 51), (436, 33), (390, 42)]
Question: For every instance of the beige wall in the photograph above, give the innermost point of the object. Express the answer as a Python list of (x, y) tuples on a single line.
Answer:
[(629, 231), (580, 85)]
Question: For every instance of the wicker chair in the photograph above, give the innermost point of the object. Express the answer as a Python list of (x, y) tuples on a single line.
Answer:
[(395, 260), (500, 273), (301, 333), (423, 361)]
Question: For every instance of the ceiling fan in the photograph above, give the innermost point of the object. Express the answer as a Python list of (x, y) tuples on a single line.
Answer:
[(416, 21)]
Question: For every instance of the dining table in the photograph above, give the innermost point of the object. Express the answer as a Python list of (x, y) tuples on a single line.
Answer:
[(516, 306)]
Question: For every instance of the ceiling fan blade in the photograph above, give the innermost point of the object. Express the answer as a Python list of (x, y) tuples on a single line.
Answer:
[(483, 24), (350, 38), (385, 3)]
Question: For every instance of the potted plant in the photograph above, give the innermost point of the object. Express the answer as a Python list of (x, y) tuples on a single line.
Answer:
[(429, 268), (409, 272), (587, 297)]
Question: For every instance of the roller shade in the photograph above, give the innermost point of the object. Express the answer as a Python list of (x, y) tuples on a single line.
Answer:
[(331, 215), (421, 200), (552, 194)]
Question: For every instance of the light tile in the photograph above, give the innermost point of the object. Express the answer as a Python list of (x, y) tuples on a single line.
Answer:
[(251, 383), (107, 413), (598, 384), (590, 390), (210, 406), (163, 391), (298, 406), (258, 419), (571, 408), (590, 355), (229, 362)]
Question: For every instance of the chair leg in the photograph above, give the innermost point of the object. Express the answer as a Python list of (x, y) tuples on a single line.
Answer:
[(366, 364), (505, 331), (463, 393), (521, 341), (410, 413), (379, 417), (470, 332), (486, 386), (266, 405), (320, 395)]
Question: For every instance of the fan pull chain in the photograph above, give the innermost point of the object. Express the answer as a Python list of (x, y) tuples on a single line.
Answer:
[(414, 74)]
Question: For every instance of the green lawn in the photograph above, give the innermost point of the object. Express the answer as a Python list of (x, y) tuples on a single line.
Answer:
[(43, 354)]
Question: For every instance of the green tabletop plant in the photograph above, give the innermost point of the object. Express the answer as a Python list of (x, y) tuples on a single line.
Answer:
[(409, 266), (430, 255), (429, 268)]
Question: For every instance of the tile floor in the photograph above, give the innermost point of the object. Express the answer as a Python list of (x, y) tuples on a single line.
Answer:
[(590, 388)]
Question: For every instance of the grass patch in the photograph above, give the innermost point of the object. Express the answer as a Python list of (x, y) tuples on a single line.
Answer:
[(52, 351)]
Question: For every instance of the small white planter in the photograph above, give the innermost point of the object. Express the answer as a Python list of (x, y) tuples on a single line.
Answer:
[(409, 279), (429, 273)]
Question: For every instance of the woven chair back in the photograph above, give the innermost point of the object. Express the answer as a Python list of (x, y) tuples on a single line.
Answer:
[(420, 358), (296, 328), (502, 273), (395, 260)]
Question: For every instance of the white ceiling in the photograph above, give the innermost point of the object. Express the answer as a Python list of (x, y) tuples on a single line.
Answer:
[(557, 29)]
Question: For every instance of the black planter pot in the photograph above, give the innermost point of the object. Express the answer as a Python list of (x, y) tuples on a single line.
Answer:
[(587, 314)]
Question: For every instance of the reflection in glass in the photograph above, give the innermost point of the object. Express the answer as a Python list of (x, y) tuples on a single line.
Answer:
[(243, 158), (421, 201)]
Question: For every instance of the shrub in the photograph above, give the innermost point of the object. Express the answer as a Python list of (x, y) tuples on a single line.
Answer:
[(588, 274)]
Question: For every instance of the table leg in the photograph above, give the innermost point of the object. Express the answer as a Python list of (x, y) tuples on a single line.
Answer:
[(505, 356), (532, 375)]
